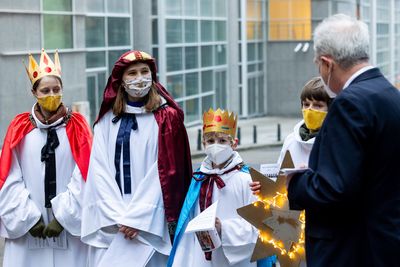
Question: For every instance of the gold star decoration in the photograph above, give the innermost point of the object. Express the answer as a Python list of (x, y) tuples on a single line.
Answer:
[(281, 231)]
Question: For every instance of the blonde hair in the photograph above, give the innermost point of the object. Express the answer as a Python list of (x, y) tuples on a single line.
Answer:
[(152, 101)]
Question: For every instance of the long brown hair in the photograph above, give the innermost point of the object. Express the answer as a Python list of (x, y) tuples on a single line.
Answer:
[(152, 100)]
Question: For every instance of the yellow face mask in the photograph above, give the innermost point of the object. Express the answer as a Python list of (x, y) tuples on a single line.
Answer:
[(313, 118), (50, 103)]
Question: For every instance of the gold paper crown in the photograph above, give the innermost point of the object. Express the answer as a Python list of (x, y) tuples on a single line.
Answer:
[(46, 67), (220, 121), (137, 55)]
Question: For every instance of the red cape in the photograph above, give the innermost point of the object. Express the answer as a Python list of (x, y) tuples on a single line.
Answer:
[(78, 132)]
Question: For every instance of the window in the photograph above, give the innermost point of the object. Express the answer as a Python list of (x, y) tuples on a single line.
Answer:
[(118, 6), (190, 31), (57, 5), (191, 57), (118, 32), (94, 32), (207, 56), (175, 85), (220, 31), (174, 59), (207, 102), (192, 84), (95, 59), (206, 31), (192, 110), (113, 56), (206, 8), (207, 81), (174, 31), (95, 6), (289, 19), (173, 7), (57, 31), (190, 8)]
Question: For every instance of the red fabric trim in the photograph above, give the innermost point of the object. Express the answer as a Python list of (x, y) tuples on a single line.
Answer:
[(18, 128), (174, 161), (80, 141), (78, 132)]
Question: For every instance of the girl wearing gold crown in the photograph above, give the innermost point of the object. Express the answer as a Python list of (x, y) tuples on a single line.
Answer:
[(221, 177), (43, 167), (139, 171)]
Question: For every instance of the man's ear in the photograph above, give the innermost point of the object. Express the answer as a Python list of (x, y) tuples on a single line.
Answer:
[(328, 61)]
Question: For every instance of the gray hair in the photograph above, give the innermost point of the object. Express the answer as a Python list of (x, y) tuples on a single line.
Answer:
[(343, 38)]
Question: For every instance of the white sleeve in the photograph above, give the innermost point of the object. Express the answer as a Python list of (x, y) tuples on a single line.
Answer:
[(18, 212), (102, 206), (66, 206), (239, 237)]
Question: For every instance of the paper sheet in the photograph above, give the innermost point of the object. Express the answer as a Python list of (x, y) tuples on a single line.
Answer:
[(123, 252)]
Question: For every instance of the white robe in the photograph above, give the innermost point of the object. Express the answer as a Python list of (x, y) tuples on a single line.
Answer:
[(104, 206), (238, 237), (22, 203), (299, 150)]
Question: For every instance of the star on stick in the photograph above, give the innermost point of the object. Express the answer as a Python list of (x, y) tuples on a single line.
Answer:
[(281, 230)]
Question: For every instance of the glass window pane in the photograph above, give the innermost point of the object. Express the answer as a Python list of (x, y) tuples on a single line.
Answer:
[(174, 59), (192, 110), (113, 56), (174, 31), (207, 81), (207, 102), (118, 6), (220, 89), (118, 32), (206, 31), (191, 57), (251, 52), (91, 96), (220, 31), (220, 51), (220, 8), (57, 5), (175, 85), (190, 8), (207, 56), (206, 8), (94, 6), (154, 31), (192, 84), (173, 7), (251, 30), (261, 95), (261, 51), (57, 31), (94, 31), (190, 31), (154, 7), (95, 59)]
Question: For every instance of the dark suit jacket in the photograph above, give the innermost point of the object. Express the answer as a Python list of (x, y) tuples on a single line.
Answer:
[(352, 192)]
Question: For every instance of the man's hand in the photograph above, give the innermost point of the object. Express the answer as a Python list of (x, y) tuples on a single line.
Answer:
[(37, 229), (53, 229), (129, 232), (255, 187)]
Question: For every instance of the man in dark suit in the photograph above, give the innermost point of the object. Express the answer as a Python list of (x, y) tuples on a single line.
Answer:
[(351, 191)]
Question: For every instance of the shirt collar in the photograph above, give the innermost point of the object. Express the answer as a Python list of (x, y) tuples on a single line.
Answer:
[(356, 74)]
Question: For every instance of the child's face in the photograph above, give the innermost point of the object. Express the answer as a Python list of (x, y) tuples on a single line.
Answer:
[(314, 104), (217, 138)]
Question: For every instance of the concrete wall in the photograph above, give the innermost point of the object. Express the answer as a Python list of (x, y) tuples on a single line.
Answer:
[(287, 72)]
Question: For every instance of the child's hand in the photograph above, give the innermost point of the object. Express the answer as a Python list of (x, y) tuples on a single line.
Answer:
[(255, 187), (129, 232), (218, 225)]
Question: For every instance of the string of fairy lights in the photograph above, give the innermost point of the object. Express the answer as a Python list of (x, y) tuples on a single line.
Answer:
[(278, 201)]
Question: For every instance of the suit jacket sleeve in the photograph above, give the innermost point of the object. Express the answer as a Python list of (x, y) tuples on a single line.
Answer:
[(336, 160)]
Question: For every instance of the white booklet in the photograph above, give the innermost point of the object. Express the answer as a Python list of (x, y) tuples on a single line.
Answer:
[(59, 242), (203, 225), (270, 170), (289, 171), (122, 252)]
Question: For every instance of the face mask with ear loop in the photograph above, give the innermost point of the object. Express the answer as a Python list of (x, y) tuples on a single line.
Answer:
[(138, 87), (327, 89), (313, 118), (219, 153), (50, 102)]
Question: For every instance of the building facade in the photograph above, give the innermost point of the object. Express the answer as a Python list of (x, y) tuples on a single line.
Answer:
[(250, 56)]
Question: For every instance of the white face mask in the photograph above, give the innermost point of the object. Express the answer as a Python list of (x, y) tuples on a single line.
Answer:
[(138, 87), (219, 153), (328, 90)]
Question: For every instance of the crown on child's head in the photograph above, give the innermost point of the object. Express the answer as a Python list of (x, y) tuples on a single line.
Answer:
[(221, 121), (45, 67)]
